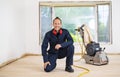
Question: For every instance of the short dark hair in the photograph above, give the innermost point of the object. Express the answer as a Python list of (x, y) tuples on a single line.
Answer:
[(58, 19)]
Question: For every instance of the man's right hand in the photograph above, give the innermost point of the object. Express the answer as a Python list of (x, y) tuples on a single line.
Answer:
[(46, 63)]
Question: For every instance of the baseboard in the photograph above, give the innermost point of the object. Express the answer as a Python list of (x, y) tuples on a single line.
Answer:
[(106, 53), (30, 54), (13, 60), (10, 61)]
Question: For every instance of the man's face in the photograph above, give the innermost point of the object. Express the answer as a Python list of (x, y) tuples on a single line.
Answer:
[(57, 24)]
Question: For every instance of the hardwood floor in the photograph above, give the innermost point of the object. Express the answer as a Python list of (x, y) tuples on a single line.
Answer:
[(32, 66)]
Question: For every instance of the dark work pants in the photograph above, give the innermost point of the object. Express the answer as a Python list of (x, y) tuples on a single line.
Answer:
[(63, 52)]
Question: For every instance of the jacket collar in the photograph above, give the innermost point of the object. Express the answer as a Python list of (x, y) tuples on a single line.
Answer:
[(54, 36)]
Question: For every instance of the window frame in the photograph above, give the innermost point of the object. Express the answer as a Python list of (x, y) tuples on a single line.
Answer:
[(79, 4), (110, 22)]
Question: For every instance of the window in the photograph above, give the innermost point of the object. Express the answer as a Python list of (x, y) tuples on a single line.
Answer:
[(103, 23), (46, 19), (96, 16), (74, 17)]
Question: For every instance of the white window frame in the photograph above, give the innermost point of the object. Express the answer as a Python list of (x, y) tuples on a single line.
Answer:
[(80, 3)]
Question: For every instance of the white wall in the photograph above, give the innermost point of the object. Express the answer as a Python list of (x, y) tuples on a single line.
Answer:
[(19, 28), (12, 29), (32, 26), (115, 47)]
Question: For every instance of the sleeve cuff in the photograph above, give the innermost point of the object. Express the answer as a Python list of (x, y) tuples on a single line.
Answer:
[(45, 58)]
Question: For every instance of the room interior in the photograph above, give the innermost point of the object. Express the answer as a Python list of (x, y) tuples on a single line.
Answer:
[(20, 40)]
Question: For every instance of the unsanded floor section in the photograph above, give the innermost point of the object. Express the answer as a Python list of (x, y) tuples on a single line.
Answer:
[(32, 66)]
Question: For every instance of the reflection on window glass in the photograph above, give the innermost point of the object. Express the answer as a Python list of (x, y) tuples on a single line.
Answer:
[(46, 19), (74, 17), (103, 23)]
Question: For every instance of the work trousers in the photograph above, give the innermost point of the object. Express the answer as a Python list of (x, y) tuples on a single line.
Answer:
[(67, 52)]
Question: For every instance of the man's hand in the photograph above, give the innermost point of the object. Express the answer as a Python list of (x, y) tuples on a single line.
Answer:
[(58, 46), (46, 63)]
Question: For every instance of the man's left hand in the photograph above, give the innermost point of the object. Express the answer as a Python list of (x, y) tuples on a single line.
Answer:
[(58, 46)]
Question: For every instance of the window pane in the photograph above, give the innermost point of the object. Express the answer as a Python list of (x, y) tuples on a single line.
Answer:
[(46, 19), (74, 17), (103, 23)]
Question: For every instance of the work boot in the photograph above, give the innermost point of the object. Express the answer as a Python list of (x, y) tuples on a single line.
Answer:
[(69, 69)]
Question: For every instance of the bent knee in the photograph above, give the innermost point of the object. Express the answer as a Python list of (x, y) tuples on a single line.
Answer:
[(71, 47), (47, 70)]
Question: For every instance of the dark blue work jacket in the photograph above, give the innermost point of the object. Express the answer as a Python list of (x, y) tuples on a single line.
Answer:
[(50, 39)]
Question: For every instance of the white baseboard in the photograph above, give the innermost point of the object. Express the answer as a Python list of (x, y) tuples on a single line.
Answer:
[(30, 54)]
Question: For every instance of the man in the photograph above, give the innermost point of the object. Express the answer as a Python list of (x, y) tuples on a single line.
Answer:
[(61, 45)]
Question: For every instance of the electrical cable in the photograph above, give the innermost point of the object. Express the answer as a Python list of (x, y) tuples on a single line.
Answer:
[(82, 54)]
